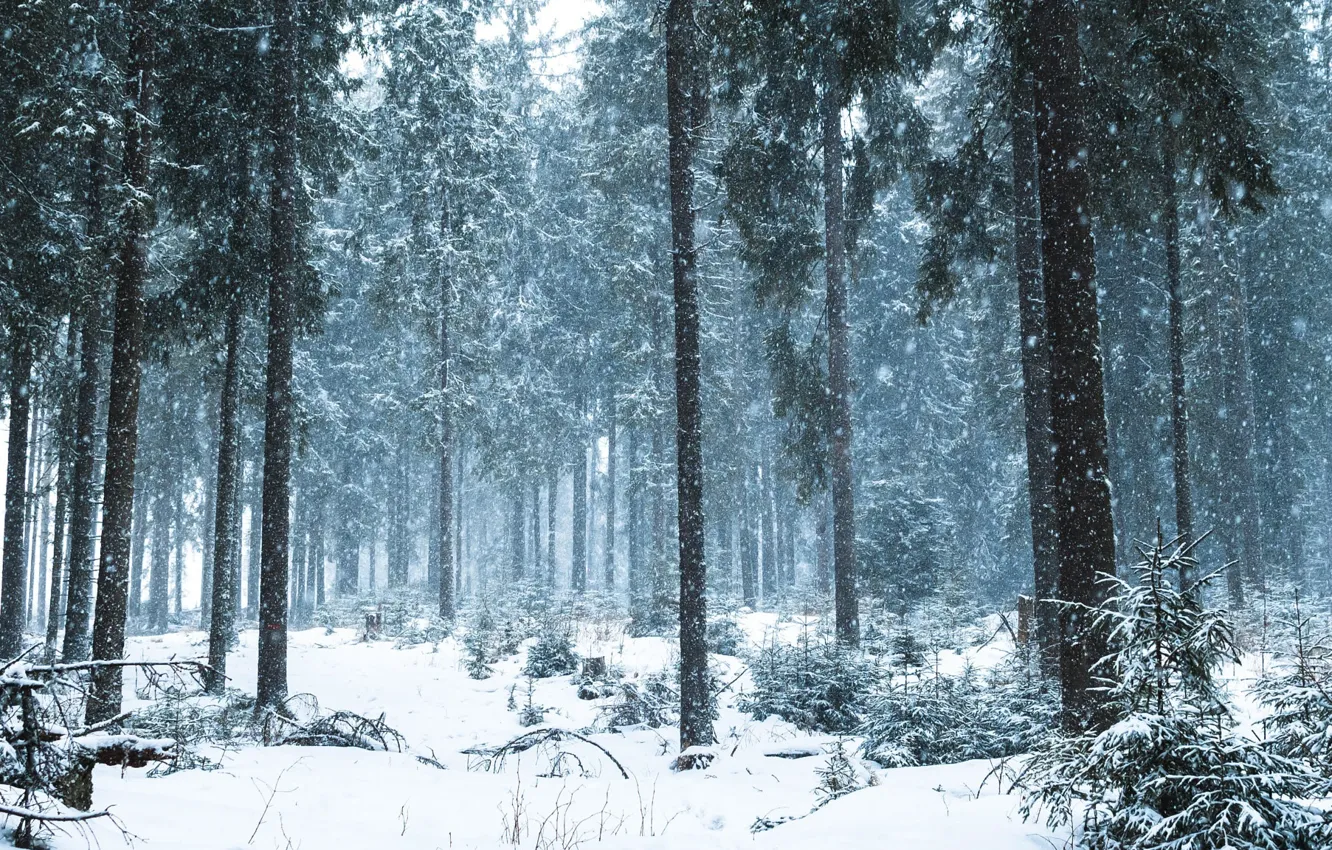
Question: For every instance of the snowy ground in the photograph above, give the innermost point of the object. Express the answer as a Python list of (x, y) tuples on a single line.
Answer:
[(289, 798)]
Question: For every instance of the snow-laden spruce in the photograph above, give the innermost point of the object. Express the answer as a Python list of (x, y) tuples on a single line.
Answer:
[(1171, 771)]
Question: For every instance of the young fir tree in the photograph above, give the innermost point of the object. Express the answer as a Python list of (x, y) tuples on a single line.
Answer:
[(1171, 770)]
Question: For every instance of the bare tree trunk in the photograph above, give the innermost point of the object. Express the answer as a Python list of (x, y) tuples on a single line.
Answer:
[(768, 523), (610, 491), (83, 497), (447, 567), (846, 602), (122, 431), (685, 107), (1086, 535), (552, 496), (64, 475), (1179, 412), (226, 517), (748, 545), (1035, 369), (13, 591), (283, 258), (578, 563)]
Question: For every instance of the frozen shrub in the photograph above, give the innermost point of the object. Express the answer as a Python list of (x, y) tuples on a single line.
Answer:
[(838, 776), (551, 655), (653, 703), (1298, 695), (725, 637), (1170, 771), (819, 687), (945, 719)]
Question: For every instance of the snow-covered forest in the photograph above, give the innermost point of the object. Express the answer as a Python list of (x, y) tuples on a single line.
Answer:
[(666, 423)]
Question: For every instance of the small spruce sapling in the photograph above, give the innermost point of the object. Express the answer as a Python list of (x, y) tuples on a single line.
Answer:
[(1171, 771), (1298, 695)]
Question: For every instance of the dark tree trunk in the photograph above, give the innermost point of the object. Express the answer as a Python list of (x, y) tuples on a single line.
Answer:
[(458, 526), (255, 541), (823, 571), (685, 108), (578, 557), (1179, 412), (610, 492), (13, 561), (177, 542), (517, 539), (634, 567), (748, 546), (769, 527), (537, 540), (552, 500), (140, 555), (159, 584), (447, 567), (32, 505), (43, 494), (1086, 542), (83, 496), (206, 541), (122, 430), (226, 517), (846, 603), (320, 535), (1035, 369), (64, 474), (283, 259)]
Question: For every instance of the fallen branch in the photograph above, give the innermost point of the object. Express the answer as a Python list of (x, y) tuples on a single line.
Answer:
[(29, 814), (528, 740)]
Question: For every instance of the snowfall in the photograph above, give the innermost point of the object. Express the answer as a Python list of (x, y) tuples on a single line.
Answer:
[(324, 798)]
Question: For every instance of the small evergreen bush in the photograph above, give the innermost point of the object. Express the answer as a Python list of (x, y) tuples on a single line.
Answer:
[(551, 655), (1171, 772), (818, 687)]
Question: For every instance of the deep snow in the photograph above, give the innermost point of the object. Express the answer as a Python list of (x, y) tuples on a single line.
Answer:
[(329, 799)]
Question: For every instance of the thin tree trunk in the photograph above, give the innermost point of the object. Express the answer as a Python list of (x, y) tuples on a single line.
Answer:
[(272, 677), (1086, 541), (122, 431), (159, 583), (43, 495), (634, 567), (226, 517), (179, 536), (537, 540), (1179, 412), (846, 602), (255, 543), (1035, 369), (823, 567), (83, 497), (748, 546), (13, 560), (140, 555), (30, 509), (769, 529), (517, 537), (685, 107), (578, 557), (552, 500), (64, 474), (610, 492), (207, 537)]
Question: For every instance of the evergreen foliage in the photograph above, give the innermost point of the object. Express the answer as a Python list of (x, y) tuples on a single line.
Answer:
[(1172, 771), (815, 685)]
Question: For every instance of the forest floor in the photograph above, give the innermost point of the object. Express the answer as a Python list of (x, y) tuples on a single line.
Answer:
[(322, 798)]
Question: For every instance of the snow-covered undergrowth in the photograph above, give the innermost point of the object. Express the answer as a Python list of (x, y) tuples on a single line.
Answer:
[(321, 798)]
